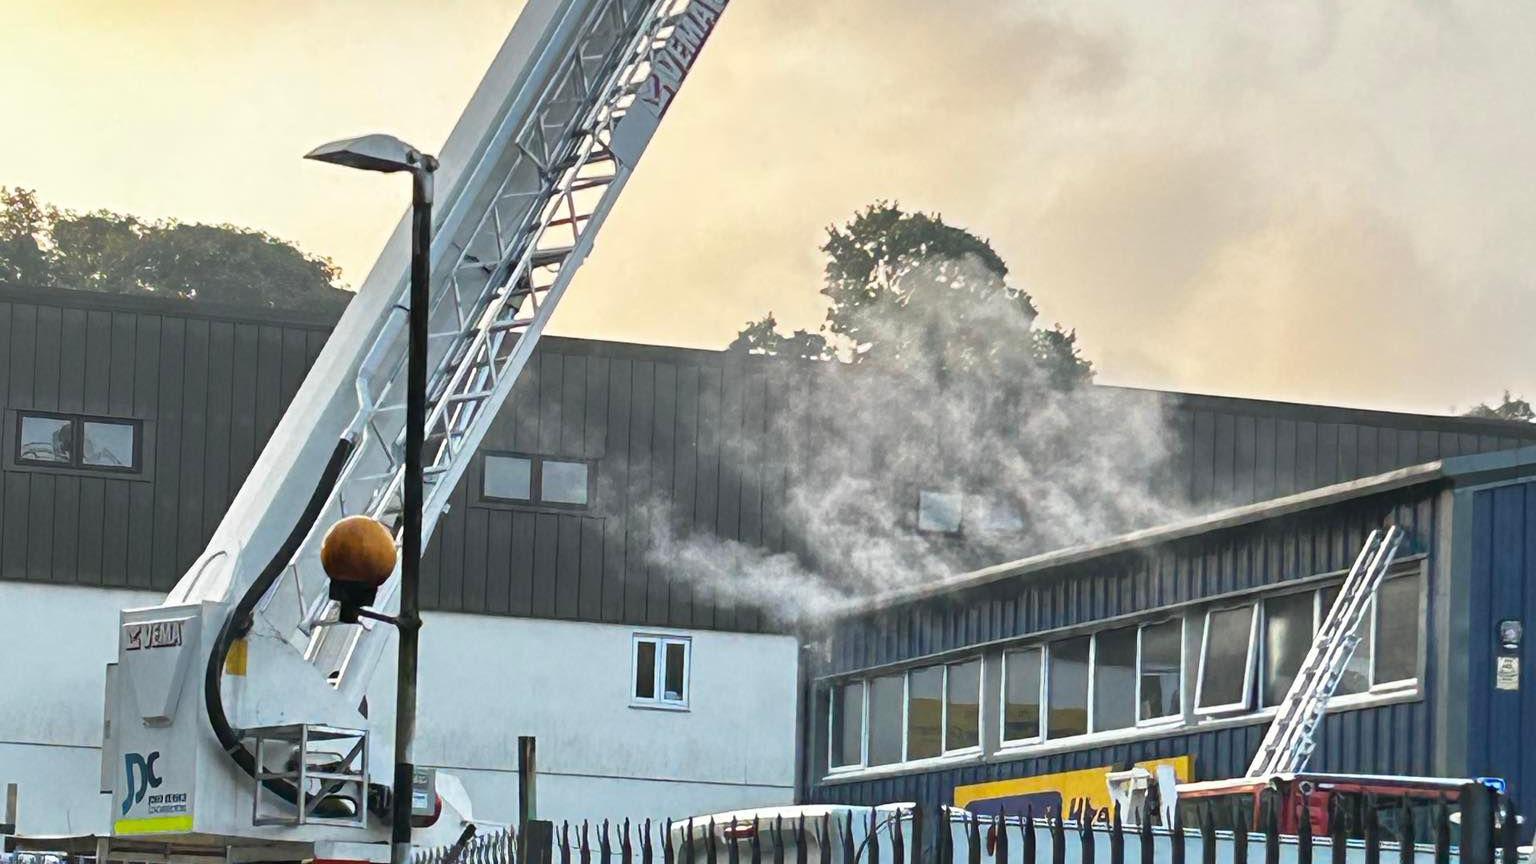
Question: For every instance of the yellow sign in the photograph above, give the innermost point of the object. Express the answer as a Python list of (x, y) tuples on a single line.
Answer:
[(153, 825), (1047, 793)]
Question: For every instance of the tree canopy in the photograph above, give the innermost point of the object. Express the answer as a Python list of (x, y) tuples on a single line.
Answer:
[(906, 287), (1510, 408), (46, 247)]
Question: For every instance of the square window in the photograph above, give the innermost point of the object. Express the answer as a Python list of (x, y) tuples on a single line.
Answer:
[(885, 732), (1226, 660), (508, 477), (1357, 673), (939, 512), (847, 722), (1160, 683), (1288, 632), (1021, 694), (46, 439), (962, 705), (108, 445), (661, 671), (1396, 649), (925, 712), (1114, 679), (1068, 712), (563, 482)]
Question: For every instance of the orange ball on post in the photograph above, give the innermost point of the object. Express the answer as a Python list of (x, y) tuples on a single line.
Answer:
[(358, 554)]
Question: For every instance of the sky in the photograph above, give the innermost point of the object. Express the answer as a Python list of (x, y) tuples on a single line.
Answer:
[(1327, 202)]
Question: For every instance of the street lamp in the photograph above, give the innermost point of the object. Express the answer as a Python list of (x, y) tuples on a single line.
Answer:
[(389, 154)]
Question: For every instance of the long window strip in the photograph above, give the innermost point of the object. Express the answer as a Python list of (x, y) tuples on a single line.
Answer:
[(1252, 656)]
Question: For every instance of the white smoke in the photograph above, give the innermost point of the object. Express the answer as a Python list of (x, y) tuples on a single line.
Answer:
[(1039, 467)]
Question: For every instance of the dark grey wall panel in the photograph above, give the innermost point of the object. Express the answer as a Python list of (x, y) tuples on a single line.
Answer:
[(193, 375)]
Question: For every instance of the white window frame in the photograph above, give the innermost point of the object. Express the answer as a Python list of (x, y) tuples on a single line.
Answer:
[(659, 671), (1002, 698), (1263, 656), (1400, 684), (863, 726), (1045, 684), (1246, 703), (981, 685), (1178, 715), (906, 680)]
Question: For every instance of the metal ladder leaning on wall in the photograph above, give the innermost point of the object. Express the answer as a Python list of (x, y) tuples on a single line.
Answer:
[(1292, 736)]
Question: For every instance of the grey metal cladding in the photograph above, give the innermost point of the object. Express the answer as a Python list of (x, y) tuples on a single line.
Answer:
[(675, 437), (207, 383)]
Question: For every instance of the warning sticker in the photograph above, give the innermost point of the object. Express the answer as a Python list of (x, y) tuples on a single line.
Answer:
[(1506, 675)]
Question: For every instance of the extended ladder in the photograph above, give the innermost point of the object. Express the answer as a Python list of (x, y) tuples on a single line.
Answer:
[(504, 253), (1292, 736)]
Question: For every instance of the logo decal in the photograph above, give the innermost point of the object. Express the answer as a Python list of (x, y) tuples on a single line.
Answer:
[(147, 778)]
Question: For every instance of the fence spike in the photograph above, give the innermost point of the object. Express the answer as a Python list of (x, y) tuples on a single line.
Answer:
[(1085, 831), (586, 845), (801, 852), (1144, 835), (1207, 836), (1058, 840), (1176, 837), (972, 838), (626, 852), (732, 854), (778, 839), (1000, 846), (605, 851), (847, 838), (1442, 831), (1372, 832), (1406, 845), (1116, 836), (1509, 830), (1304, 834), (710, 850), (872, 841), (756, 844), (917, 837), (565, 842), (1029, 835), (1338, 831)]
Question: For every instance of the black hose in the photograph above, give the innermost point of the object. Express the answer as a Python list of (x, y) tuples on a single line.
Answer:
[(239, 622)]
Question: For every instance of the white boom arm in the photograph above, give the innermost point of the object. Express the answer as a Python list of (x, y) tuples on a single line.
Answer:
[(528, 175)]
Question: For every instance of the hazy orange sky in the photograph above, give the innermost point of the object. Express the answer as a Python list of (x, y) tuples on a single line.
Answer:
[(1329, 202)]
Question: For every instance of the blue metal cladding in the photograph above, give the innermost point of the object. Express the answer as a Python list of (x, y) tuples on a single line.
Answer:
[(1394, 738), (1502, 585)]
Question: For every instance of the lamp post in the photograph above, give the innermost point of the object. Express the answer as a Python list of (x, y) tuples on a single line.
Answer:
[(389, 154)]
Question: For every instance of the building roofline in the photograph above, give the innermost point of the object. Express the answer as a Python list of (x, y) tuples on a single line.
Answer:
[(1464, 470), (1341, 413), (74, 298)]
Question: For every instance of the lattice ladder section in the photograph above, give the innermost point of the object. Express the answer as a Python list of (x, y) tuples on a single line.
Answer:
[(1293, 734), (555, 182)]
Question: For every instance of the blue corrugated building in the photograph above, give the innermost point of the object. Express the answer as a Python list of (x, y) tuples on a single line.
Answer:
[(1178, 641)]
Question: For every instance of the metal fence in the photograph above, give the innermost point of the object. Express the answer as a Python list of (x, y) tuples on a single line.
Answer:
[(1484, 831)]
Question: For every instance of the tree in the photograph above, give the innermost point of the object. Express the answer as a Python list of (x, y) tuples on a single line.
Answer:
[(1510, 408), (46, 247), (907, 288)]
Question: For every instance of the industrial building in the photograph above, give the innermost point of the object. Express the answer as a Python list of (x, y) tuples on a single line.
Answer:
[(131, 421)]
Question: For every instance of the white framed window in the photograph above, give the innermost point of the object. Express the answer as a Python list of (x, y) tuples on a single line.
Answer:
[(1387, 658), (545, 481), (1022, 694), (962, 705), (1114, 679), (1227, 648), (1290, 621), (939, 512), (661, 667), (1160, 678), (845, 726), (886, 720), (1068, 687)]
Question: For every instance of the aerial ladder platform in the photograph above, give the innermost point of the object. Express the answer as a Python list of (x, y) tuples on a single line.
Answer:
[(236, 723)]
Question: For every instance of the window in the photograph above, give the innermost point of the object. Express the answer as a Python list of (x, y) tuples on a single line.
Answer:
[(509, 478), (661, 671), (925, 712), (1067, 711), (1226, 660), (1159, 691), (1396, 653), (1021, 694), (1289, 622), (1114, 679), (939, 512), (847, 725), (962, 705), (885, 716), (536, 480), (71, 441)]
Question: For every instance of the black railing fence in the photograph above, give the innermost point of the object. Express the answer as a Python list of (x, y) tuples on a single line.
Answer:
[(1483, 830)]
